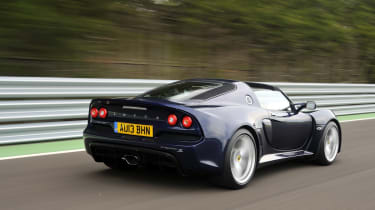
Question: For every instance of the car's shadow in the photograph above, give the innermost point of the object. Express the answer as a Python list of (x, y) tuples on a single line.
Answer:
[(145, 177), (150, 178)]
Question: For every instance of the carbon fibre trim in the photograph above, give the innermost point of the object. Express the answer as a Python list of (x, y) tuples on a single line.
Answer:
[(284, 155)]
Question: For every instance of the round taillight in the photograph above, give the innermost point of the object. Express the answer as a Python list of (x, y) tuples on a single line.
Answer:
[(172, 119), (103, 113), (187, 121), (94, 112)]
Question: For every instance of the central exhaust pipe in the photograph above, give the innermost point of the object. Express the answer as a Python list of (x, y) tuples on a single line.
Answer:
[(132, 160)]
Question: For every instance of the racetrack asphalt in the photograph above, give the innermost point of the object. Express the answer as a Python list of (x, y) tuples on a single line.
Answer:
[(75, 181)]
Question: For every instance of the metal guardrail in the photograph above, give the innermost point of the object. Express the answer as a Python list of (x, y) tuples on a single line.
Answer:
[(342, 99), (42, 109)]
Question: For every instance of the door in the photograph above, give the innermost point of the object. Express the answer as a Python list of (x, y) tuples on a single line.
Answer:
[(289, 131), (284, 128)]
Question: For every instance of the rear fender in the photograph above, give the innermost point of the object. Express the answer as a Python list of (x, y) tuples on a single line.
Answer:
[(221, 123)]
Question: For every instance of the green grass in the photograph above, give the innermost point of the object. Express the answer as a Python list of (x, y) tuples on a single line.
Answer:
[(56, 146), (36, 148), (356, 116)]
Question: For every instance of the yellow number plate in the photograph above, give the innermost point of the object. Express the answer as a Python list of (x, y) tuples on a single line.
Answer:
[(134, 129)]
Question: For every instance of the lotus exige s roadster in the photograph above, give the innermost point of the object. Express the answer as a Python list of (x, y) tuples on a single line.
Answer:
[(222, 128)]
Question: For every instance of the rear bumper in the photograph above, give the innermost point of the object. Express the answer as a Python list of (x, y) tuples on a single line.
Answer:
[(102, 151), (205, 157)]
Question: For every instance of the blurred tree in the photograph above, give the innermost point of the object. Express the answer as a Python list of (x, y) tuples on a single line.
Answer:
[(48, 29), (331, 41)]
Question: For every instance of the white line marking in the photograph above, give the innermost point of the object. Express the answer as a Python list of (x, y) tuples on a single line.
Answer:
[(42, 154), (344, 121)]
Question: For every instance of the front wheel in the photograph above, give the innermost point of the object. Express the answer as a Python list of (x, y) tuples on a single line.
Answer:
[(329, 145), (240, 161)]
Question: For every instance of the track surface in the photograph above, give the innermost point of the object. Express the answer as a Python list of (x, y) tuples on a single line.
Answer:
[(74, 181)]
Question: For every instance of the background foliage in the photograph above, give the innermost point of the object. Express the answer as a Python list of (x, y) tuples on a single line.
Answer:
[(267, 40)]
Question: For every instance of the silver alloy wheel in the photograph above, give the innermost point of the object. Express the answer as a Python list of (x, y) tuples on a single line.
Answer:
[(331, 144), (242, 159)]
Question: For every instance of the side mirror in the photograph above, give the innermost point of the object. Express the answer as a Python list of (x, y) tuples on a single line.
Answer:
[(310, 105)]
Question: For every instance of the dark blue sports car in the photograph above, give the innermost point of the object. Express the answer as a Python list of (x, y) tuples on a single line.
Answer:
[(222, 128)]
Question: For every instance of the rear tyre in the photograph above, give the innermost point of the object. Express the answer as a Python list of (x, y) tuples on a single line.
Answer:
[(240, 161), (329, 145)]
